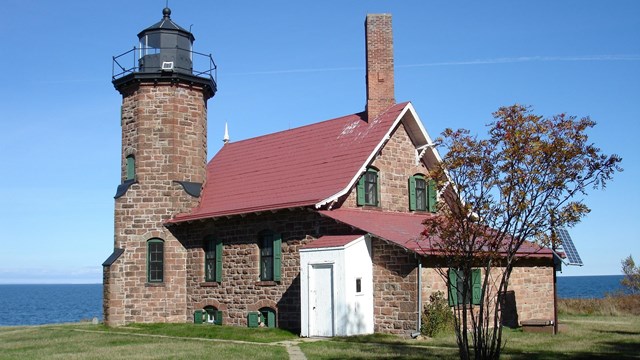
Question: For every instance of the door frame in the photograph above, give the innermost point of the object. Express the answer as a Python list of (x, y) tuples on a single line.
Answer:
[(311, 285)]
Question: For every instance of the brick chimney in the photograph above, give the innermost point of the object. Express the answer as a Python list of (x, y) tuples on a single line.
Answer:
[(379, 44)]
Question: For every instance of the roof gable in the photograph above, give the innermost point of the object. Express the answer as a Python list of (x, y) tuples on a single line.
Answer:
[(304, 166)]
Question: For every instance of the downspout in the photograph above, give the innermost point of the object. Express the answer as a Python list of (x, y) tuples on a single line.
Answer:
[(555, 298), (419, 324)]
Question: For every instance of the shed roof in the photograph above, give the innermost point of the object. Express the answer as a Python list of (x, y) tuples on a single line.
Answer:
[(404, 229), (331, 241)]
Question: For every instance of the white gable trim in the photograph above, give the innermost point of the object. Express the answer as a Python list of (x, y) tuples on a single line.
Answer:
[(421, 135)]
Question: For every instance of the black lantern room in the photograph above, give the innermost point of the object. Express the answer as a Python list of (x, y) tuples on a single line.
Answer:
[(165, 46), (164, 54)]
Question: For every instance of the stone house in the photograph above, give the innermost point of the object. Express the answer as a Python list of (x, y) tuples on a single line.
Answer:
[(314, 229)]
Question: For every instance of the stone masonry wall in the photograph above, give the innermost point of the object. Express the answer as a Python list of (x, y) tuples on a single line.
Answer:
[(164, 127), (396, 162), (530, 288), (395, 287), (241, 290)]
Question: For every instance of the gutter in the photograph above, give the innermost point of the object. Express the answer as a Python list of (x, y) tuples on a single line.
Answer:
[(419, 323)]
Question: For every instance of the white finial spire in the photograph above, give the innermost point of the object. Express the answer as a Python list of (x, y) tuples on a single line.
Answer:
[(225, 139)]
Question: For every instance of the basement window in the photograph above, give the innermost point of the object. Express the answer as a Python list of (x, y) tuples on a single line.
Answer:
[(268, 317)]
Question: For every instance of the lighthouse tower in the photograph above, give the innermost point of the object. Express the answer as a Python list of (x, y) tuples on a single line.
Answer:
[(163, 159)]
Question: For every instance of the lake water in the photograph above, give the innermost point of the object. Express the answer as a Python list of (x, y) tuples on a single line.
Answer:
[(52, 304), (49, 304), (588, 286)]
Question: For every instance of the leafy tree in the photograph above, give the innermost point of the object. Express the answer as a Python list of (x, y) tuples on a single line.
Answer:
[(631, 279), (527, 178)]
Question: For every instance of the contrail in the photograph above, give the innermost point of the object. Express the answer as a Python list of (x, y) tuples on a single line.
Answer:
[(506, 60)]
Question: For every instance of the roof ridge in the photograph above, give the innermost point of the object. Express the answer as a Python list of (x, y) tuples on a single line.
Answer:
[(297, 128)]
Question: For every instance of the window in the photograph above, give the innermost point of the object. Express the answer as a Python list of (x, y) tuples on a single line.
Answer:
[(456, 284), (358, 285), (155, 261), (131, 167), (270, 256), (212, 259), (368, 189), (422, 194), (268, 317), (214, 315)]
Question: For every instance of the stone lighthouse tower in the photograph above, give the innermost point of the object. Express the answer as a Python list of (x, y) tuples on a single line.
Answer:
[(163, 159)]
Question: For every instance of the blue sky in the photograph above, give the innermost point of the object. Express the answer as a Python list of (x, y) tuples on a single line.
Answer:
[(284, 64)]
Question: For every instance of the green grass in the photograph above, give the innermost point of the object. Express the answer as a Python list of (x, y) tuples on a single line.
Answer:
[(85, 341), (260, 335), (581, 337)]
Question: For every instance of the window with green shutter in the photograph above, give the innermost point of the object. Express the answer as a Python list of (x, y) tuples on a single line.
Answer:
[(131, 167), (270, 245), (155, 261), (268, 317), (368, 189), (213, 259), (422, 194), (214, 315), (417, 193), (456, 284)]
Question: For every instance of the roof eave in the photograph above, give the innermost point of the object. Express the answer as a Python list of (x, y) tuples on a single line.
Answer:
[(239, 212)]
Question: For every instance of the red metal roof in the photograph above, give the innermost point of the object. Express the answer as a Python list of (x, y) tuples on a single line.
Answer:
[(404, 229), (297, 167), (331, 241)]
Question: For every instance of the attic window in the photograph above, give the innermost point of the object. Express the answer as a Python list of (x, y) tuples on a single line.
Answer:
[(368, 188), (422, 194)]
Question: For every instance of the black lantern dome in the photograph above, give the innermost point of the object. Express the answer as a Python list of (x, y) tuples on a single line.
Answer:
[(165, 53), (166, 46)]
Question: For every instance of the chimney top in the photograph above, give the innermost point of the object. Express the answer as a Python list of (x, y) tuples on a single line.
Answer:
[(380, 79)]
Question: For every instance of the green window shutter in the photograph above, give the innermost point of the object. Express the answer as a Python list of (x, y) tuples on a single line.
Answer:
[(360, 191), (412, 193), (476, 285), (271, 319), (453, 288), (217, 317), (131, 167), (218, 260), (432, 194), (277, 257)]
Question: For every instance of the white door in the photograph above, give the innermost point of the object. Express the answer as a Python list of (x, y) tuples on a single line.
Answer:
[(321, 300)]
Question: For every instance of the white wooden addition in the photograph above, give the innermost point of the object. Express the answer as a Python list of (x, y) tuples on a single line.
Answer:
[(336, 289)]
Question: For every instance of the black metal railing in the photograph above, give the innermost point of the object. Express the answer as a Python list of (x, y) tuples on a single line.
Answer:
[(199, 64)]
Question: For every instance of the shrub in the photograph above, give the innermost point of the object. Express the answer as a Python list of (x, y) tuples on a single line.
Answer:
[(631, 280), (437, 316), (612, 304)]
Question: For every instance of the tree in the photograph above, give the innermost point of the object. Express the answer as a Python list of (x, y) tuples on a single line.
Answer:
[(527, 178), (631, 280)]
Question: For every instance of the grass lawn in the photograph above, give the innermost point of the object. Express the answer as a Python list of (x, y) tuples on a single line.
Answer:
[(157, 341), (583, 337)]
